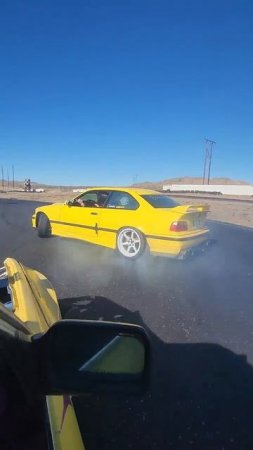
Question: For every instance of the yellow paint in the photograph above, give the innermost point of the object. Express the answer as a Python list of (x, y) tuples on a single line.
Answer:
[(36, 305), (66, 436), (173, 248)]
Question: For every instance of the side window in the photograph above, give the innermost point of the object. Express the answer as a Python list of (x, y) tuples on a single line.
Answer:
[(88, 199), (89, 196), (92, 199), (122, 200)]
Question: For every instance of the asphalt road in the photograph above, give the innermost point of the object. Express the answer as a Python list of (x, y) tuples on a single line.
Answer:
[(199, 315)]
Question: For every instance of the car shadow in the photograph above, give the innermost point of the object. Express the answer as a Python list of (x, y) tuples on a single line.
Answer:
[(200, 395)]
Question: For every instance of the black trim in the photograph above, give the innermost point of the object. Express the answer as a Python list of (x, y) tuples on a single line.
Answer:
[(109, 230), (95, 228), (73, 224), (163, 238)]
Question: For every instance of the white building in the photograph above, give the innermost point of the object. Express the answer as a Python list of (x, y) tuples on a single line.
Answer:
[(228, 189)]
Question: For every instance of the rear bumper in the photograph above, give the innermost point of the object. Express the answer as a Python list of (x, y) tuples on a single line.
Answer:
[(175, 247), (197, 250)]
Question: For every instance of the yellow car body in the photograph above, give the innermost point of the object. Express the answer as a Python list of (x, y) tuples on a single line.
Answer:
[(35, 307), (168, 230)]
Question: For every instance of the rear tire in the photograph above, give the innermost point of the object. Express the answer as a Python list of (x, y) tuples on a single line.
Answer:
[(44, 228), (130, 243)]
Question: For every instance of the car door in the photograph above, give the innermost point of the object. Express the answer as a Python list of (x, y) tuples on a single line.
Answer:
[(80, 222), (120, 210)]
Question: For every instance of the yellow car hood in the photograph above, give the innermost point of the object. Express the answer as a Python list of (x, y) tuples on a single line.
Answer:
[(35, 304), (33, 297)]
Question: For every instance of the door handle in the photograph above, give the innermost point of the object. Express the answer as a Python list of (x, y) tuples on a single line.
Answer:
[(94, 214)]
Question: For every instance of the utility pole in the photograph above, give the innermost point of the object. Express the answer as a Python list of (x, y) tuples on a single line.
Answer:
[(208, 159), (2, 177), (13, 176), (8, 178)]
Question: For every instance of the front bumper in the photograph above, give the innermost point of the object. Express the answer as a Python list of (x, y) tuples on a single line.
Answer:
[(34, 221)]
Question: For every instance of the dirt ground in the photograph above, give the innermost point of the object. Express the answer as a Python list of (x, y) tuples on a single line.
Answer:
[(235, 212), (225, 210)]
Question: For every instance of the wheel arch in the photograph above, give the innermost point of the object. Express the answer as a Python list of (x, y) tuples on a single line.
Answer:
[(37, 218), (40, 213), (134, 228)]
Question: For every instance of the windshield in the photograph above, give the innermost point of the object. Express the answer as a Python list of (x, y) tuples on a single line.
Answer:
[(160, 201)]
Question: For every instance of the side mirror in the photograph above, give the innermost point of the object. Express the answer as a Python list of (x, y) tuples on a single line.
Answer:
[(79, 356), (68, 202)]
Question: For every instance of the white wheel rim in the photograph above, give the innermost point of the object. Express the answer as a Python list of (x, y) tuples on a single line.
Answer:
[(129, 242)]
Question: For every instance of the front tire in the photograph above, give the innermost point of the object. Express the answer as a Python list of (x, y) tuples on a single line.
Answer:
[(44, 228), (130, 243)]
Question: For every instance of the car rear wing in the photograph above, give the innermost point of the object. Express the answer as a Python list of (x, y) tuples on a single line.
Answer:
[(185, 209)]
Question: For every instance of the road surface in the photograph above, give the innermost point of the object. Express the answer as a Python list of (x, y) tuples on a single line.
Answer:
[(199, 315)]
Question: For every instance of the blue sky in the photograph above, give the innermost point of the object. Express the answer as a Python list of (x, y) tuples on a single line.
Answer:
[(107, 92)]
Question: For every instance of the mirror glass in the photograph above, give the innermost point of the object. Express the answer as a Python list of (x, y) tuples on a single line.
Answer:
[(123, 355), (82, 354)]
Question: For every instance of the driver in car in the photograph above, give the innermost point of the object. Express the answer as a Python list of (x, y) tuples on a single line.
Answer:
[(101, 199), (87, 203)]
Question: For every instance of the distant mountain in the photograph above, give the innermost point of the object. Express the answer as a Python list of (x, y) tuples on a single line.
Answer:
[(186, 180), (144, 184)]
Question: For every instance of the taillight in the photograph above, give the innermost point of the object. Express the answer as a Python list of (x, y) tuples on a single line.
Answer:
[(179, 226)]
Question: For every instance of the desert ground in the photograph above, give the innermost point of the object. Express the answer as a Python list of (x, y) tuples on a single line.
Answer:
[(238, 211)]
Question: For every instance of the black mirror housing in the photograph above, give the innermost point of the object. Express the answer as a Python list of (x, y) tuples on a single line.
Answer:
[(82, 356)]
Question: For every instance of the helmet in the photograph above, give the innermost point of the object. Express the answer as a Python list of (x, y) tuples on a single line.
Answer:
[(124, 201)]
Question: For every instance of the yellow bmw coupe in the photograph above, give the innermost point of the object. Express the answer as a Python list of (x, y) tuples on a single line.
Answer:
[(128, 220)]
